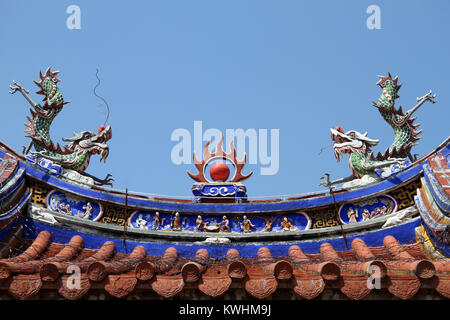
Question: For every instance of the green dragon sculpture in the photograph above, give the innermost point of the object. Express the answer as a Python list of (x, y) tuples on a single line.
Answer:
[(77, 154), (362, 162)]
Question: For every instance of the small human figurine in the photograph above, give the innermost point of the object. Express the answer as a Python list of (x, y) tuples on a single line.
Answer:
[(176, 223), (366, 215), (200, 225), (352, 215), (156, 221), (286, 225), (54, 204), (65, 209), (246, 225), (224, 225), (269, 224), (87, 211), (383, 210), (377, 213), (141, 222)]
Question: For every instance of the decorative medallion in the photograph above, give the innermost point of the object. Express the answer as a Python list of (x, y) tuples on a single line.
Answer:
[(67, 204), (368, 209)]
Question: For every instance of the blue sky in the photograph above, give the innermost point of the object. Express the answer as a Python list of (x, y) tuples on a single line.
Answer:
[(297, 66)]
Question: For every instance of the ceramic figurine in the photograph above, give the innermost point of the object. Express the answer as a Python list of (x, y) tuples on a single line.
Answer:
[(286, 225), (200, 225), (88, 211), (246, 225), (176, 222), (141, 222), (224, 225), (157, 221), (65, 209), (352, 215), (366, 215)]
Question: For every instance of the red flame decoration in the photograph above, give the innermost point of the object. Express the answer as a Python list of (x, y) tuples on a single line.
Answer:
[(220, 153)]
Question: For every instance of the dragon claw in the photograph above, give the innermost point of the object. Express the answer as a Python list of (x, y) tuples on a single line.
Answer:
[(428, 97), (105, 182), (326, 180), (17, 87)]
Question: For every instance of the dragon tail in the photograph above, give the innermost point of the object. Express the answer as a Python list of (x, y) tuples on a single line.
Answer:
[(406, 133)]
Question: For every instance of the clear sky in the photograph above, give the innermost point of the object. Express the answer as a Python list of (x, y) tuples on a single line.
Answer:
[(297, 66)]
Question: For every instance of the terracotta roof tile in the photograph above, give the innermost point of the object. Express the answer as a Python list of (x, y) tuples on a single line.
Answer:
[(44, 266)]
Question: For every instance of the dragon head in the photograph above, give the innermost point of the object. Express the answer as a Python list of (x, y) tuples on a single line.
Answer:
[(350, 141), (91, 143), (48, 88)]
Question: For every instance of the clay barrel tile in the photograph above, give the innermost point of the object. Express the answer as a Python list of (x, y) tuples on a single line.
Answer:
[(191, 271), (104, 253), (361, 250), (32, 266), (371, 265), (7, 266), (51, 268), (50, 271), (69, 251), (327, 270), (236, 269), (443, 278), (308, 282), (261, 283), (38, 246), (328, 253), (145, 270), (282, 270), (168, 260), (423, 269), (98, 270)]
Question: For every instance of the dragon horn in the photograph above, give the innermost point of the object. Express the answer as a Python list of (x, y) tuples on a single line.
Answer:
[(47, 71), (381, 81)]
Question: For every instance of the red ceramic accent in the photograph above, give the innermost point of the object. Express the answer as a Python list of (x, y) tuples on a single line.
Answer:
[(338, 128), (219, 171)]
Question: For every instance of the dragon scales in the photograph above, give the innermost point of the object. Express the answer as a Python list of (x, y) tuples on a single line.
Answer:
[(83, 145), (362, 162)]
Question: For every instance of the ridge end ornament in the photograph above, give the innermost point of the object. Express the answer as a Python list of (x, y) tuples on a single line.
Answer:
[(365, 166), (73, 158)]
